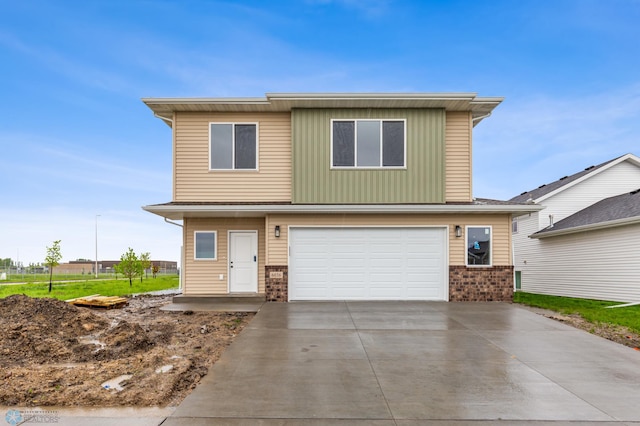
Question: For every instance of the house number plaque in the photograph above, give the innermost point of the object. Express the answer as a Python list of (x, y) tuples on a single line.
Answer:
[(276, 274)]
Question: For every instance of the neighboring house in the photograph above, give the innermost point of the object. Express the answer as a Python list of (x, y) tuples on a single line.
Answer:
[(583, 244), (335, 197), (88, 266)]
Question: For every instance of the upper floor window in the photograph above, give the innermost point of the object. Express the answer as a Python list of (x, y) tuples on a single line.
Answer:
[(233, 146), (478, 245), (514, 225), (368, 143)]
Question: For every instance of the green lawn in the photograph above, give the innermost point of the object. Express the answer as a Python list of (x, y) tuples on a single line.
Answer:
[(32, 278), (70, 290), (594, 311)]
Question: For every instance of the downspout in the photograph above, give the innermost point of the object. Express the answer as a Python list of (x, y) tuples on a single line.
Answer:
[(181, 285)]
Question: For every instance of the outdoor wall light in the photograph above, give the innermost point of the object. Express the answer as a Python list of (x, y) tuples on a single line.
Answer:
[(458, 231), (277, 231)]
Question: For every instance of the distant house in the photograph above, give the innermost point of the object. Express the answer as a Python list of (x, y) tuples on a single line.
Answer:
[(335, 196), (86, 266), (585, 242)]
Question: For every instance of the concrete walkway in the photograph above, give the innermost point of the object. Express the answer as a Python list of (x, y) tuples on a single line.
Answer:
[(411, 363)]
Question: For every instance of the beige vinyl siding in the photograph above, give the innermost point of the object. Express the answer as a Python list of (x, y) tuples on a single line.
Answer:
[(600, 264), (501, 226), (202, 276), (421, 181), (458, 156), (193, 181)]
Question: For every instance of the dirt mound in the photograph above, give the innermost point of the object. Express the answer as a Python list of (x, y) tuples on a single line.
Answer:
[(54, 353), (42, 330)]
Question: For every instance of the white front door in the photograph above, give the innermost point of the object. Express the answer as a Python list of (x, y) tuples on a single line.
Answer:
[(243, 262)]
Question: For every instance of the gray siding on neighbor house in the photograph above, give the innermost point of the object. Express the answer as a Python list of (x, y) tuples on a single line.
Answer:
[(422, 181)]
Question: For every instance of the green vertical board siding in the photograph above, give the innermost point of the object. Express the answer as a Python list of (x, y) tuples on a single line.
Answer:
[(314, 182)]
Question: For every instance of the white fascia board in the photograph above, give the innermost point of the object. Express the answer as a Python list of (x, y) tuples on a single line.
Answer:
[(329, 95), (204, 101), (585, 228), (626, 157), (196, 210)]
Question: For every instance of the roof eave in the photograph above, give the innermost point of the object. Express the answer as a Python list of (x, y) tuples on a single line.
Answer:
[(282, 102), (178, 212), (634, 159), (584, 228)]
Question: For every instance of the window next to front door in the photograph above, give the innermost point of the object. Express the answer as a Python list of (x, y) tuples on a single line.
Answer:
[(233, 146), (205, 245), (478, 245)]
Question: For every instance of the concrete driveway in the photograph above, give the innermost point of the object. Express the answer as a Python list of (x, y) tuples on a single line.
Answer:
[(410, 363)]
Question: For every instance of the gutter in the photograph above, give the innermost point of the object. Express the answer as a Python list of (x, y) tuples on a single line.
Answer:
[(199, 210), (165, 119), (173, 223), (473, 120)]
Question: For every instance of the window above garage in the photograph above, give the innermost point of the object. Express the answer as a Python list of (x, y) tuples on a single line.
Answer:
[(368, 143)]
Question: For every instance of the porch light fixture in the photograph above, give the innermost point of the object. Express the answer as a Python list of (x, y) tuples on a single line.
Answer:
[(277, 231), (458, 231)]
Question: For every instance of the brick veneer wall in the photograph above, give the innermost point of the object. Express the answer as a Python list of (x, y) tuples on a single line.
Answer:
[(494, 284), (276, 289)]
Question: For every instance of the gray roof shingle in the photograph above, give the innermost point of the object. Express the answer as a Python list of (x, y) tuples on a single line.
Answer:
[(621, 206), (550, 187)]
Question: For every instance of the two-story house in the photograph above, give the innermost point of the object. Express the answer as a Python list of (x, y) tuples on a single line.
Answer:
[(330, 196), (583, 244)]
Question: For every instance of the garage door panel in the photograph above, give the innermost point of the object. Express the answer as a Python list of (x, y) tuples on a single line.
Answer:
[(367, 263), (346, 293)]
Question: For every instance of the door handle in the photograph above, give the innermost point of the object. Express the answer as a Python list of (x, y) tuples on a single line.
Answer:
[(231, 264), (254, 258)]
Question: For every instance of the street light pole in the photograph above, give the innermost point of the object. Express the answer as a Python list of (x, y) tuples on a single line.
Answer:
[(97, 245)]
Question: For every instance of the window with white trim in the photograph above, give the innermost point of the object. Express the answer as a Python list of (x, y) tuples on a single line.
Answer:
[(233, 146), (368, 143), (205, 245), (478, 245), (514, 225)]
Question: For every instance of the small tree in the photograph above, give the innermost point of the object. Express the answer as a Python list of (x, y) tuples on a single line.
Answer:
[(129, 265), (52, 260), (154, 270), (145, 264)]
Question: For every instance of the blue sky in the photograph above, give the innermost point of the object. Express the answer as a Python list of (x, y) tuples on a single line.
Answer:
[(76, 140)]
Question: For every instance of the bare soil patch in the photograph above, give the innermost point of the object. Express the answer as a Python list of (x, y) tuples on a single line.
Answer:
[(56, 354), (615, 333)]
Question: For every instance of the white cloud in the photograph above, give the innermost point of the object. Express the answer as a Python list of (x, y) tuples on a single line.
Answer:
[(528, 142), (56, 165), (26, 233), (76, 71), (368, 8)]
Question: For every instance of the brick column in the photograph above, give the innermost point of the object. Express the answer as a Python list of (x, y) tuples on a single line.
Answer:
[(277, 283)]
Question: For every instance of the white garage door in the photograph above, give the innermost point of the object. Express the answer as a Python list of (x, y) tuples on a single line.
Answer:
[(367, 264)]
